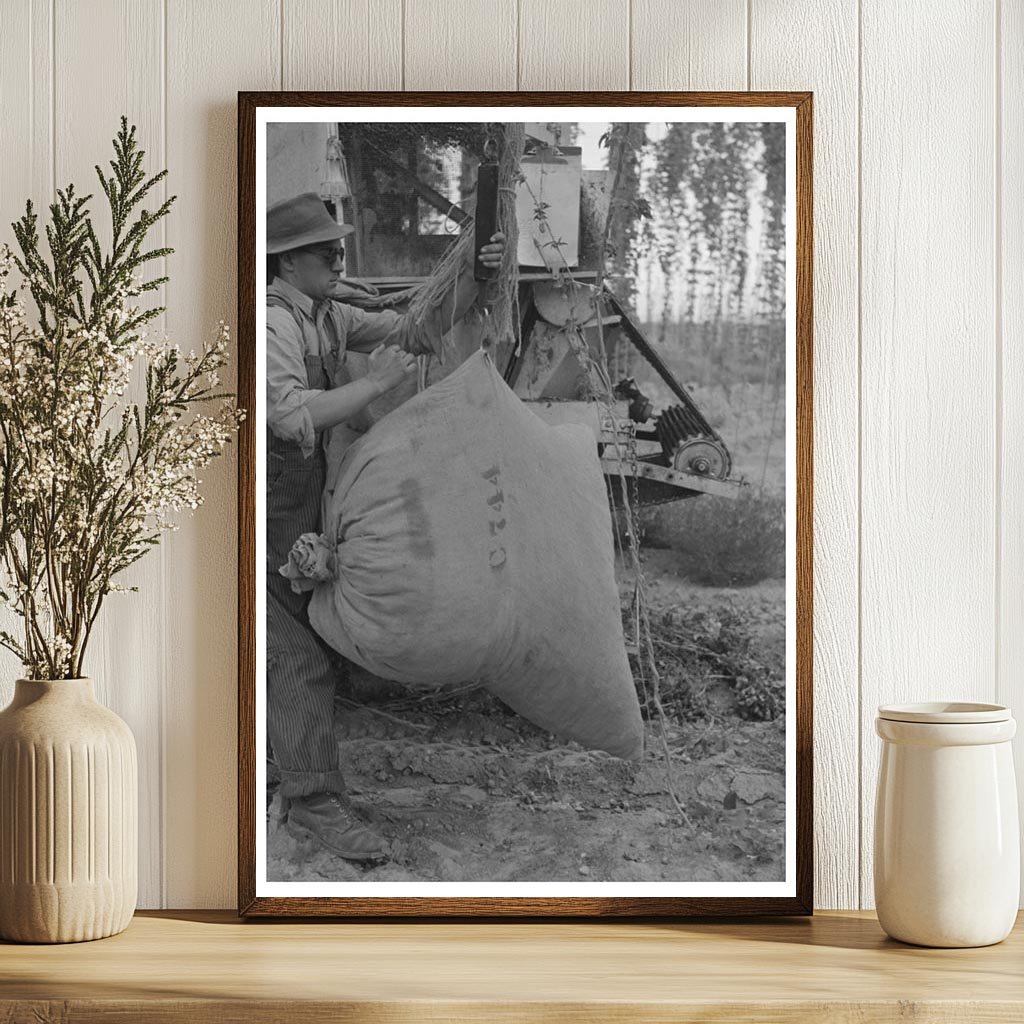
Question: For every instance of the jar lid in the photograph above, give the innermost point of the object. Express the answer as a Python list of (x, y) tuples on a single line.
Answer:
[(945, 713)]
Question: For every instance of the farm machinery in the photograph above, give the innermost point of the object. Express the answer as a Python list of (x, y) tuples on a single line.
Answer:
[(408, 189)]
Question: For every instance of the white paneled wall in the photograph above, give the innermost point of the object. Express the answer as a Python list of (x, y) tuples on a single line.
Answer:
[(832, 73), (1009, 313), (928, 479), (919, 325)]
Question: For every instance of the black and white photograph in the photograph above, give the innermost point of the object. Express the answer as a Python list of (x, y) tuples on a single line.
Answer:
[(525, 502)]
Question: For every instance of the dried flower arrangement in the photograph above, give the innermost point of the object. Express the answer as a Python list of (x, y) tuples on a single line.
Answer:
[(90, 477)]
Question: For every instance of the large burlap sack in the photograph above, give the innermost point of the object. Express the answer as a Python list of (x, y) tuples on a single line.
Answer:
[(474, 542)]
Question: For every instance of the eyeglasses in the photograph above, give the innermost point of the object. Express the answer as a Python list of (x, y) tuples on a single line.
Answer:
[(328, 256)]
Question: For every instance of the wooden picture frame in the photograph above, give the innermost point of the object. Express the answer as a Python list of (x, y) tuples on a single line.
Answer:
[(798, 899)]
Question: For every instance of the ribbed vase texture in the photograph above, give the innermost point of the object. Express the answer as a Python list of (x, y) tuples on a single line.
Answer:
[(68, 815)]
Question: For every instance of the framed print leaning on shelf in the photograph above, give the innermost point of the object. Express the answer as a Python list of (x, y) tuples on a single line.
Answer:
[(525, 504)]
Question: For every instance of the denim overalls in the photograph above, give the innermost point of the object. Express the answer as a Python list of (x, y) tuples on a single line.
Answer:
[(301, 670)]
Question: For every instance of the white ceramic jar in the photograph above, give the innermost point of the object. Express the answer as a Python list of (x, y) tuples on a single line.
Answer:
[(947, 847)]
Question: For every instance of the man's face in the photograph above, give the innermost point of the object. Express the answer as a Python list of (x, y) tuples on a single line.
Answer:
[(316, 269)]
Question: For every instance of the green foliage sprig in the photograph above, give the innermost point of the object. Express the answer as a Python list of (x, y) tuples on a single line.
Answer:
[(89, 478)]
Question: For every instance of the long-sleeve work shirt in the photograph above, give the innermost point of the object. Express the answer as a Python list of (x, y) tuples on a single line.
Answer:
[(325, 329)]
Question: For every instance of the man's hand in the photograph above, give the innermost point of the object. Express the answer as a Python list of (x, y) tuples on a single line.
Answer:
[(490, 254), (389, 366)]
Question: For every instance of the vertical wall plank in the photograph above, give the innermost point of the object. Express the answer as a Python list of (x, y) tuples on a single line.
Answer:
[(26, 102), (799, 45), (1011, 239), (694, 45), (348, 44), (573, 44), (125, 655), (928, 516), (468, 45), (213, 51), (928, 303)]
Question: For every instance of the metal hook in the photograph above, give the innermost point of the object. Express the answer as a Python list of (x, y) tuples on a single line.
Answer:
[(450, 230)]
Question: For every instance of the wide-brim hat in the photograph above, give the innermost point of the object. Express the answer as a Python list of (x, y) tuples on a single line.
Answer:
[(303, 220)]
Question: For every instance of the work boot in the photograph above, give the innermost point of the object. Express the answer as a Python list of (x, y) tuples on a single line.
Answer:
[(327, 818)]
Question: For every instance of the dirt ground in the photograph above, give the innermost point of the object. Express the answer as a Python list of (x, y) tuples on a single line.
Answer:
[(466, 790)]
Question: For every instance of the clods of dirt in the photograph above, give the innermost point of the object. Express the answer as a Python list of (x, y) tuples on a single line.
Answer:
[(464, 789), (454, 808)]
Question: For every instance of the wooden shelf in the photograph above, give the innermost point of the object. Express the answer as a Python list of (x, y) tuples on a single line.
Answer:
[(207, 966)]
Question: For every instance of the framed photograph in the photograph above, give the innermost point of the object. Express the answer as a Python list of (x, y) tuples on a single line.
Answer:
[(525, 495)]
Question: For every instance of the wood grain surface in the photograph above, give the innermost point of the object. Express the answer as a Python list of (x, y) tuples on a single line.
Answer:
[(128, 668), (832, 75), (347, 44), (1009, 226), (212, 44), (928, 516), (199, 967), (469, 45), (697, 45), (574, 44)]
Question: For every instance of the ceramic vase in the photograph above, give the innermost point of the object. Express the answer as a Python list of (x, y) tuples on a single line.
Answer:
[(947, 847), (68, 815)]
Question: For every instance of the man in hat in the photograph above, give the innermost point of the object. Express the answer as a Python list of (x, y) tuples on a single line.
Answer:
[(308, 333)]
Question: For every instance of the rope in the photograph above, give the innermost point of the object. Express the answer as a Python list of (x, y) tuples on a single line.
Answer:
[(601, 389), (500, 298)]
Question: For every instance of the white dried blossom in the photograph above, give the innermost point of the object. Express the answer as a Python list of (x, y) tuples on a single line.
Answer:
[(59, 409), (103, 430)]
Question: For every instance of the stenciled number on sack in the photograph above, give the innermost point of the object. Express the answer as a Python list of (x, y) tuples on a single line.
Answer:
[(496, 503)]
